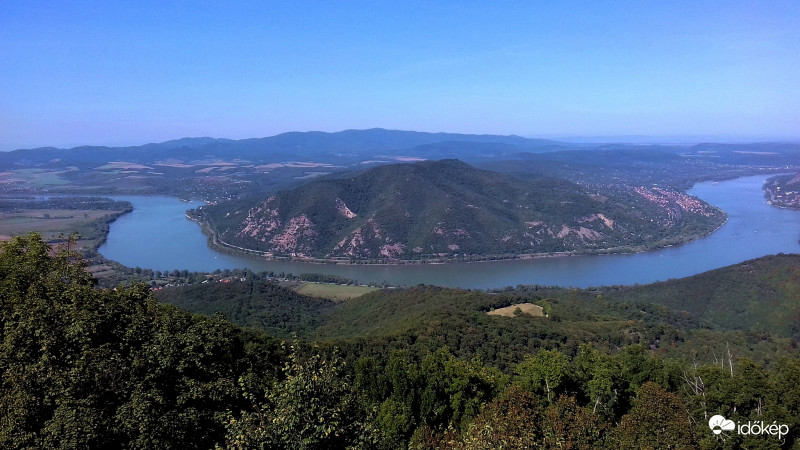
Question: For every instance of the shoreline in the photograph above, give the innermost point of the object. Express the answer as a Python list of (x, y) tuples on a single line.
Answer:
[(217, 244)]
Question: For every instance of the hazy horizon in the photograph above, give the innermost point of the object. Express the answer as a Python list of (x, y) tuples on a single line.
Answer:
[(115, 74), (575, 139)]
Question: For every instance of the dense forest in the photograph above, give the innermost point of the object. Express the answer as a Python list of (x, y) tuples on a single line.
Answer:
[(421, 367), (279, 311)]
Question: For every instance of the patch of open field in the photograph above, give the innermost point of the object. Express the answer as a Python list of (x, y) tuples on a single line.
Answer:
[(526, 308), (47, 220), (333, 291), (36, 177), (53, 222), (122, 165)]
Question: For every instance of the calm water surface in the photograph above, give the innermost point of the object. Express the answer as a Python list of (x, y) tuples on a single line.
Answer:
[(158, 235)]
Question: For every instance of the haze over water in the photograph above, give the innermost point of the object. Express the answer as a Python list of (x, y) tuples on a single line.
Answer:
[(157, 235)]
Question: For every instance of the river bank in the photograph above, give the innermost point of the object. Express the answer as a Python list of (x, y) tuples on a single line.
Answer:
[(158, 235), (216, 243)]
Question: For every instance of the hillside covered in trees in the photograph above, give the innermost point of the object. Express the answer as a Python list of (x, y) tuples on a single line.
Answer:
[(450, 210), (420, 367)]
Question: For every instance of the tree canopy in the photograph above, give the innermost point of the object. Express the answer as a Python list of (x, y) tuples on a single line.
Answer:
[(84, 367)]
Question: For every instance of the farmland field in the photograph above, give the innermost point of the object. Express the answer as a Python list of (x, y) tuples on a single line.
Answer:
[(56, 216), (47, 221), (334, 292), (36, 178), (54, 222)]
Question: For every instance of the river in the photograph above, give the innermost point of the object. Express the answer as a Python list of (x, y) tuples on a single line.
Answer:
[(158, 235)]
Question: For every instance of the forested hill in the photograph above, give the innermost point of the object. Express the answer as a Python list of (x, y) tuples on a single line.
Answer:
[(752, 307), (448, 209), (82, 367), (279, 311), (757, 295)]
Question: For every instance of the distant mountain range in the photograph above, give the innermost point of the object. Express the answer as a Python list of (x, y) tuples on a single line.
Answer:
[(223, 169), (340, 146), (349, 146), (448, 209)]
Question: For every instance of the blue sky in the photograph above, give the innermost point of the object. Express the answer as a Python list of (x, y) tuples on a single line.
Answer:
[(132, 72)]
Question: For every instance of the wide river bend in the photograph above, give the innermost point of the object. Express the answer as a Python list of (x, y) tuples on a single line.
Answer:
[(158, 235)]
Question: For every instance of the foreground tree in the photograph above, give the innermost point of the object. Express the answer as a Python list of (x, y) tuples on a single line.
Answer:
[(543, 373), (83, 367), (658, 419), (511, 421), (314, 407)]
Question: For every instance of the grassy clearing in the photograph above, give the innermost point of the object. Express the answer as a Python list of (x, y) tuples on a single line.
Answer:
[(333, 291), (526, 308)]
